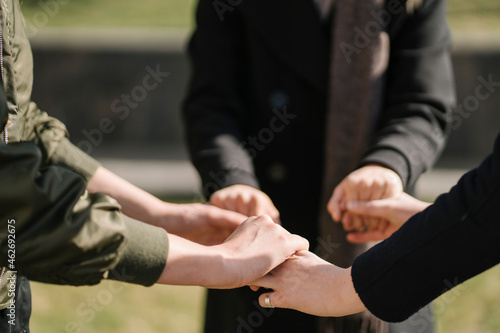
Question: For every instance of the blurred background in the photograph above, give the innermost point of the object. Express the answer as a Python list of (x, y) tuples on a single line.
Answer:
[(91, 59)]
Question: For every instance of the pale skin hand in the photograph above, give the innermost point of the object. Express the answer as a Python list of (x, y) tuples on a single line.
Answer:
[(254, 249), (246, 200), (371, 182), (201, 223), (311, 285), (394, 212)]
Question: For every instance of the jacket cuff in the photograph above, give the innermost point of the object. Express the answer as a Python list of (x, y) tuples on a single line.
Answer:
[(68, 154), (144, 254), (393, 160)]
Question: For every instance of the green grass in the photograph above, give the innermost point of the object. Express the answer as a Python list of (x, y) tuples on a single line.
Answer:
[(466, 15), (463, 14), (128, 13), (180, 309), (472, 307), (114, 307)]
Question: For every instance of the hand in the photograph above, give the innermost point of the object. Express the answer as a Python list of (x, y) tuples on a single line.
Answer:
[(204, 224), (201, 223), (256, 247), (311, 285), (370, 182), (394, 212), (246, 200)]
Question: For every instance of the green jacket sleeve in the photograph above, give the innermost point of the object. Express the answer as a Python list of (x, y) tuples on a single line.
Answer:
[(27, 121), (63, 235), (52, 138)]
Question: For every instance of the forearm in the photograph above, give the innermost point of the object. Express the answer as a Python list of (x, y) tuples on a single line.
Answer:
[(347, 295), (84, 235), (448, 243), (192, 264), (342, 298), (135, 202), (256, 247)]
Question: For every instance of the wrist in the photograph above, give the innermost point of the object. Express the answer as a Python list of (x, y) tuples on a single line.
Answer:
[(223, 271), (168, 216), (345, 298), (192, 264)]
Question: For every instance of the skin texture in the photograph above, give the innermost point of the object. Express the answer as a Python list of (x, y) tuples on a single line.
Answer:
[(254, 249), (201, 223), (246, 200), (392, 214), (309, 284), (371, 182), (241, 252)]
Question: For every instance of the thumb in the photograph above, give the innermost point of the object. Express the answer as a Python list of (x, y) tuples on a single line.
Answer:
[(276, 217), (274, 300), (374, 208), (365, 237), (230, 219), (225, 218), (334, 205)]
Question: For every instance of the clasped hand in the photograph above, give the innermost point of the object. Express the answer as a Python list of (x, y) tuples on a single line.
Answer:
[(371, 182)]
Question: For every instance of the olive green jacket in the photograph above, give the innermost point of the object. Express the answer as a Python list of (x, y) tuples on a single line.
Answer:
[(63, 234)]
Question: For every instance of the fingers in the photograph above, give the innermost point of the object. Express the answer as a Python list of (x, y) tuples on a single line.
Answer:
[(374, 208), (220, 199), (267, 282), (275, 215), (365, 237), (354, 221), (347, 221), (299, 243), (371, 182), (335, 204), (261, 204), (223, 218), (272, 300), (245, 200)]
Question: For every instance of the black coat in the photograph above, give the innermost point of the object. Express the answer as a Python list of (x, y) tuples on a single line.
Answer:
[(448, 243), (256, 105)]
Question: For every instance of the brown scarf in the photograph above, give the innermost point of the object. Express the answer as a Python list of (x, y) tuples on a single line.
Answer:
[(358, 64)]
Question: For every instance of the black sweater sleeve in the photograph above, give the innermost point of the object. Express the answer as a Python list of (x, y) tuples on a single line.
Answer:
[(419, 94), (213, 112), (448, 243)]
